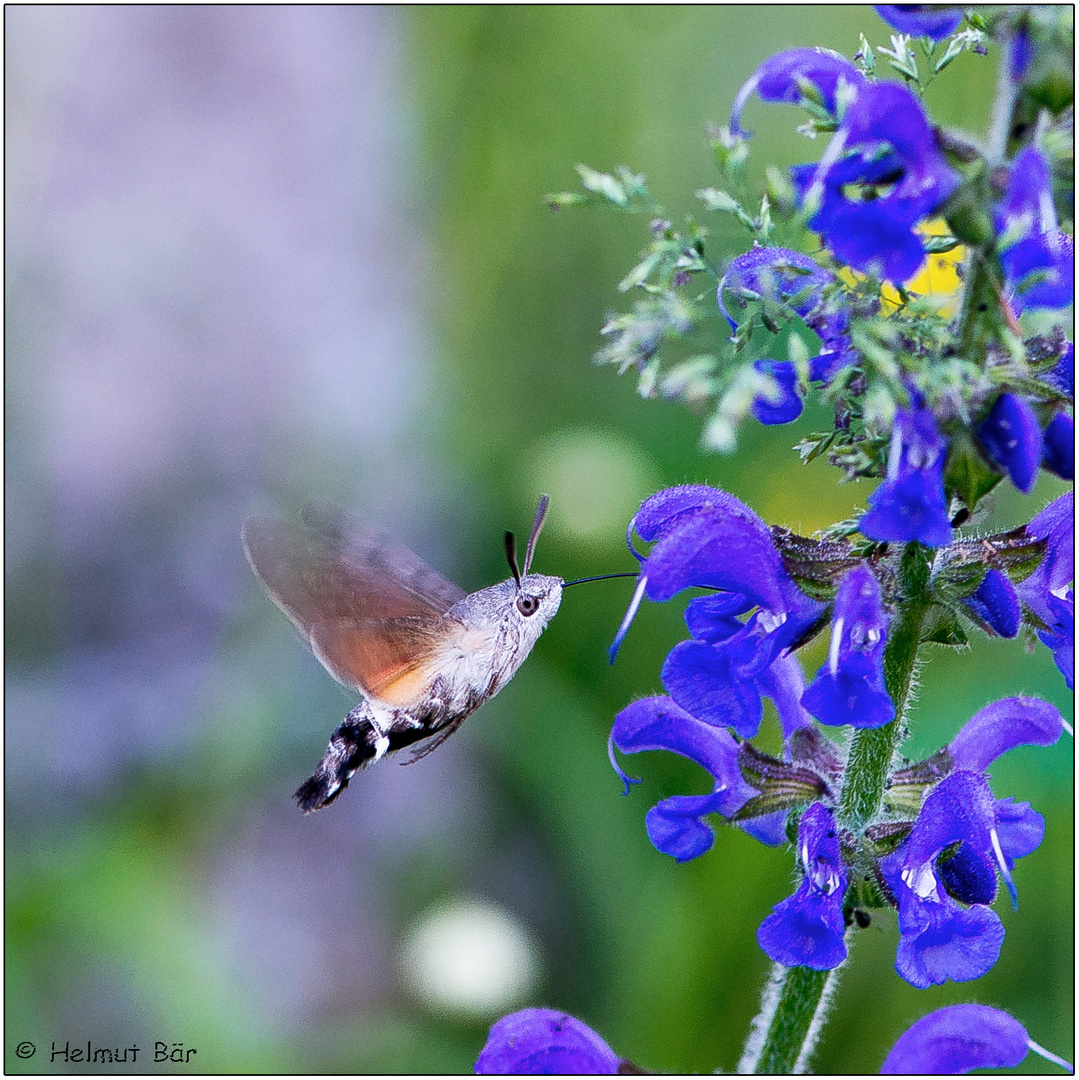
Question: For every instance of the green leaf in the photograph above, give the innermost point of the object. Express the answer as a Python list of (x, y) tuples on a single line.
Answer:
[(937, 245), (943, 626), (556, 200), (602, 184), (812, 446), (967, 473), (639, 274), (690, 380), (718, 200)]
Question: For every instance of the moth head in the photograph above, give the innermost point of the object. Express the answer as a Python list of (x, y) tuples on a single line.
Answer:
[(537, 596)]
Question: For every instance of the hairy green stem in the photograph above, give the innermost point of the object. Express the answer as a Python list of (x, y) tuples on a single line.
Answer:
[(785, 1031)]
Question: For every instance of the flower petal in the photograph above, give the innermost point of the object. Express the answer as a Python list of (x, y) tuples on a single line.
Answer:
[(544, 1042), (717, 683), (996, 604), (1059, 446), (921, 20), (957, 943), (1013, 439), (1002, 726), (957, 1039), (675, 827), (806, 929), (779, 77), (909, 504), (787, 406), (849, 687), (1019, 828), (715, 548)]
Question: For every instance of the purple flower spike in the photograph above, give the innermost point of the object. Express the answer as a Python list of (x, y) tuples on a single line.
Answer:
[(996, 604), (780, 78), (1058, 439), (788, 407), (957, 1039), (1002, 726), (886, 144), (1014, 440), (544, 1042), (920, 20), (806, 929), (849, 688), (777, 273), (675, 825), (909, 504)]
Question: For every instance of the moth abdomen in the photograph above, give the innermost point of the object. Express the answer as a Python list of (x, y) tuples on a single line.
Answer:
[(359, 742)]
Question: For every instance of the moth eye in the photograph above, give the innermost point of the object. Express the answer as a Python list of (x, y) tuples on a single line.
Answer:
[(527, 605)]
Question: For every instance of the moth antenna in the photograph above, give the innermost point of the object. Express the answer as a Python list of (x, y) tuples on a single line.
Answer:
[(511, 555), (537, 524)]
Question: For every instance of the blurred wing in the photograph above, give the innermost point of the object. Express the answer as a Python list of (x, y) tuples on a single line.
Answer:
[(372, 612)]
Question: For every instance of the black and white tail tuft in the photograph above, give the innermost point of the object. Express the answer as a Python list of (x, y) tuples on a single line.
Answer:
[(352, 745)]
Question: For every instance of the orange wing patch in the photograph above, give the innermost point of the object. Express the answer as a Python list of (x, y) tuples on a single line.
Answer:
[(389, 660)]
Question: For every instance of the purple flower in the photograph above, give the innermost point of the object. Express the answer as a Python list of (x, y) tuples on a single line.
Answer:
[(957, 1039), (1011, 435), (939, 937), (781, 78), (943, 877), (1060, 637), (1036, 256), (806, 929), (796, 280), (849, 688), (995, 604), (705, 537), (887, 147), (1061, 376), (909, 504), (776, 273), (920, 20), (788, 407), (1002, 726), (1046, 591), (1058, 446), (1020, 53), (544, 1042), (676, 824)]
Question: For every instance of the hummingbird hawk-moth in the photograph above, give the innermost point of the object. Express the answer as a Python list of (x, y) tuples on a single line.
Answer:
[(423, 653)]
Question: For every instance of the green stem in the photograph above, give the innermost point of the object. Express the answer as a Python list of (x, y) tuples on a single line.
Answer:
[(795, 1001), (785, 1031)]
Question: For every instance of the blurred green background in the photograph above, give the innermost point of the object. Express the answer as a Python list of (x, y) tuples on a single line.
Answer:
[(346, 284)]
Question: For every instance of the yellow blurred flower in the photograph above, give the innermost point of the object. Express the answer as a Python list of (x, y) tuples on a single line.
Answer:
[(937, 281)]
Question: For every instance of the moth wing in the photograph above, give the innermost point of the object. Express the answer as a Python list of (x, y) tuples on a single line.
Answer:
[(373, 612), (392, 660)]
